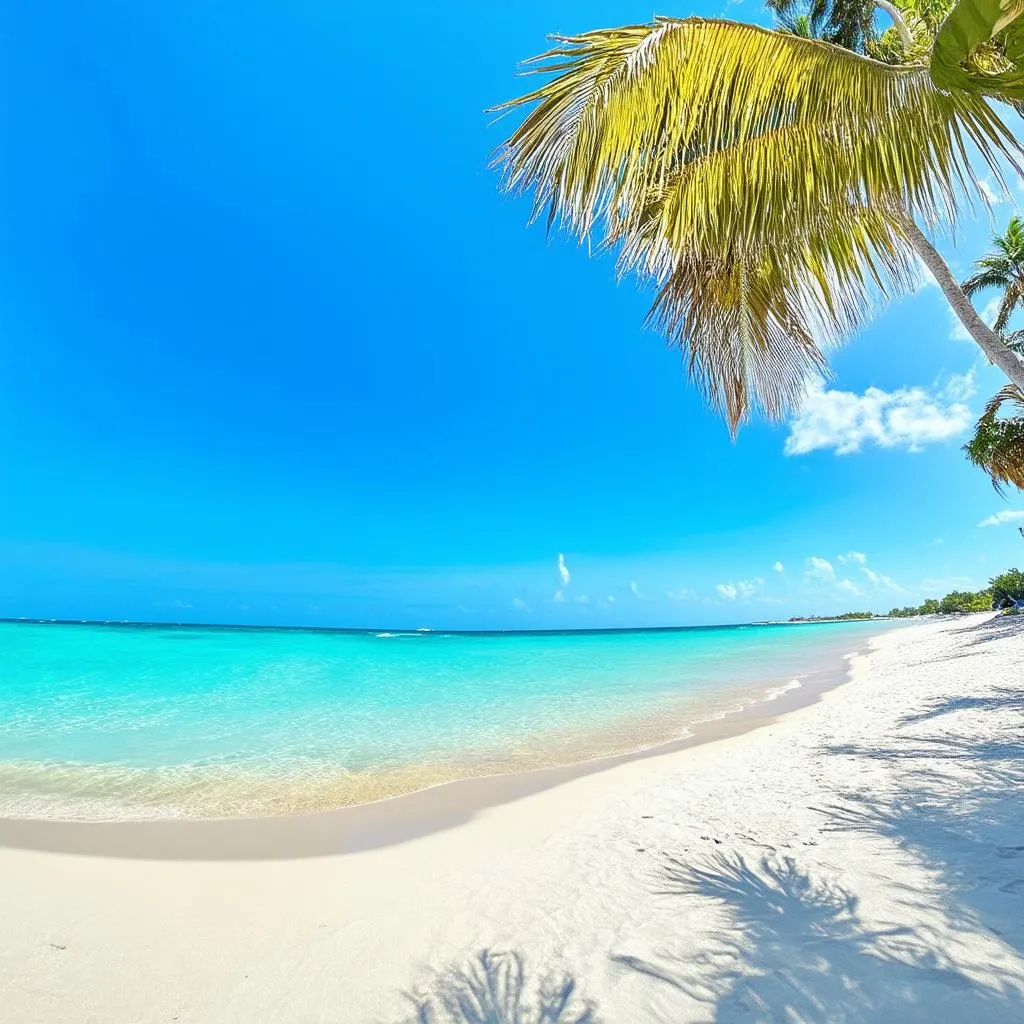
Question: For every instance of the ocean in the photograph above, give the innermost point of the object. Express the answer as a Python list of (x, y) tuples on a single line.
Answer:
[(101, 722)]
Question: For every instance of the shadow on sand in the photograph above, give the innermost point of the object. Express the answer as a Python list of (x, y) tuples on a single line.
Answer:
[(493, 989), (794, 946), (797, 950), (971, 839)]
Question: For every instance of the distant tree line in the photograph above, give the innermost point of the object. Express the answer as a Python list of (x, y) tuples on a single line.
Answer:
[(833, 618), (1003, 591)]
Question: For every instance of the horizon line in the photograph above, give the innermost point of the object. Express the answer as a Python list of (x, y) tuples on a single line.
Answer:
[(421, 631)]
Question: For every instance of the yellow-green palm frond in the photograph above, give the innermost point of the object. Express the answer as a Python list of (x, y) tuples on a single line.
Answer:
[(757, 323), (746, 174), (627, 109)]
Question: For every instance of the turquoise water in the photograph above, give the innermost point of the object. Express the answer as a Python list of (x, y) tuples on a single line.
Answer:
[(156, 721)]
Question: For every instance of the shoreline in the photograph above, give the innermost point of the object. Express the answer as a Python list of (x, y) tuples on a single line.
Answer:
[(647, 699), (391, 820), (861, 856)]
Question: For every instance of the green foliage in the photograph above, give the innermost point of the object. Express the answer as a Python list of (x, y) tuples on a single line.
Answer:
[(980, 49), (846, 616), (997, 445), (1006, 587), (963, 600), (846, 23), (1003, 269)]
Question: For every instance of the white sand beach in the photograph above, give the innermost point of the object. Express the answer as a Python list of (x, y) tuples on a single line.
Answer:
[(861, 859)]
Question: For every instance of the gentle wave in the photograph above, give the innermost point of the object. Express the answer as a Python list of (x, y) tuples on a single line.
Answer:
[(99, 723)]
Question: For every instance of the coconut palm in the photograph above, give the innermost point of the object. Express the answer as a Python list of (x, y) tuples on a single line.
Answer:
[(847, 23), (998, 442), (771, 187), (1003, 269)]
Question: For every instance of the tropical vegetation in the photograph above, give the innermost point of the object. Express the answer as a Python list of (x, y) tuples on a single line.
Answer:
[(1003, 269), (997, 445), (773, 188), (1002, 590), (845, 617), (998, 442)]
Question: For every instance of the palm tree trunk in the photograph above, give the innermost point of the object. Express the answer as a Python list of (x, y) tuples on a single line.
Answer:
[(897, 20), (988, 341)]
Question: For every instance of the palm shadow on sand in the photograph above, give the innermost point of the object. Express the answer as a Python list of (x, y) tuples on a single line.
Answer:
[(798, 950), (494, 988)]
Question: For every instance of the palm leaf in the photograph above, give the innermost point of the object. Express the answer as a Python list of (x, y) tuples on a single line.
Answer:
[(757, 323), (753, 177), (986, 278), (964, 57), (998, 443), (628, 108), (1007, 305)]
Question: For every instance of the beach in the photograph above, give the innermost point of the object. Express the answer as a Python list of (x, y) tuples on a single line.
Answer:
[(857, 859)]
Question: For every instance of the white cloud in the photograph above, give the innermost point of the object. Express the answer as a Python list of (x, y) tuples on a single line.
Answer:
[(960, 386), (820, 569), (637, 593), (520, 605), (938, 541), (1002, 517), (581, 599), (610, 599), (907, 418), (957, 331), (683, 594), (559, 597), (742, 590), (563, 571), (852, 556), (882, 581), (848, 587), (779, 567)]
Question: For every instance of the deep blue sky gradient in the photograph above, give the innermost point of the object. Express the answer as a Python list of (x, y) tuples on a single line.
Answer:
[(275, 349)]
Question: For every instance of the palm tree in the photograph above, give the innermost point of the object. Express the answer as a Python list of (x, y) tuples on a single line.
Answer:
[(770, 186), (847, 23), (1003, 269), (998, 442)]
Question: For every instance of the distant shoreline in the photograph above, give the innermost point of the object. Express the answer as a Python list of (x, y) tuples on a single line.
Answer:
[(816, 620), (426, 631)]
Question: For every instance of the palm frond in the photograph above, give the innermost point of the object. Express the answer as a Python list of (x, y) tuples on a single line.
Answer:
[(757, 322), (628, 109), (1012, 298), (980, 49), (997, 446), (746, 174), (986, 278)]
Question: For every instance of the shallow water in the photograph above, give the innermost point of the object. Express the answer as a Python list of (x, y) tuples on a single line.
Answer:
[(100, 722)]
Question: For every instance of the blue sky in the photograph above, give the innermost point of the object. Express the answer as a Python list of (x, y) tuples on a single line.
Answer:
[(276, 350)]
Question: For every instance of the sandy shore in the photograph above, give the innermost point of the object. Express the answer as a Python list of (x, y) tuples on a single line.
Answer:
[(861, 859)]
